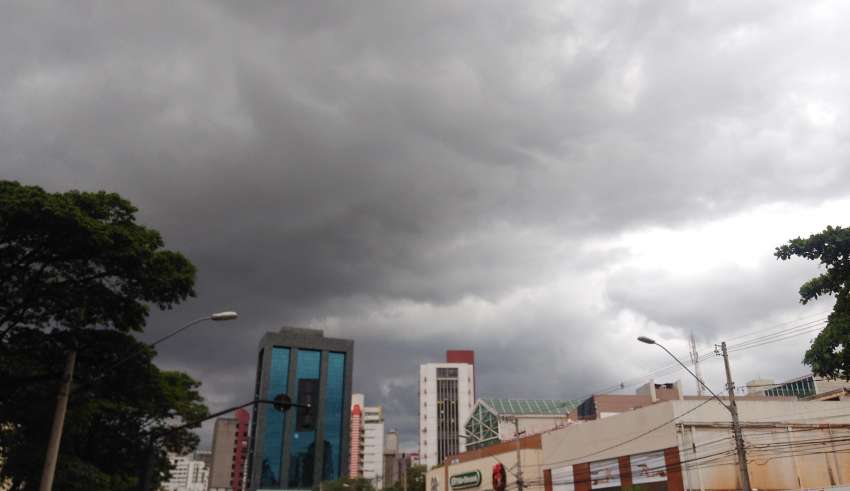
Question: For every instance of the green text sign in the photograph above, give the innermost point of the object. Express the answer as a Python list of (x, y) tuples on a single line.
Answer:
[(466, 480)]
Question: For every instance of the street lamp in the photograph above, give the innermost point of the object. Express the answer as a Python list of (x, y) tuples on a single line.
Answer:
[(731, 407), (49, 469), (218, 316)]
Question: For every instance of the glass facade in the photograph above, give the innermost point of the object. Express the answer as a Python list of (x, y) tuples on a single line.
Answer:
[(275, 420), (798, 388), (254, 415), (287, 452), (334, 402), (482, 428), (302, 450)]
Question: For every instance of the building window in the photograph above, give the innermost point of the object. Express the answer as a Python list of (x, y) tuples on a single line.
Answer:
[(275, 420), (334, 394)]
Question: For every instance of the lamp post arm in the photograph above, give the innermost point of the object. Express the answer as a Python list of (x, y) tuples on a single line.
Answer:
[(145, 479), (219, 413), (695, 376), (178, 331)]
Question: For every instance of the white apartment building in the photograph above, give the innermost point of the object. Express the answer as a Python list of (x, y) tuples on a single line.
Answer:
[(187, 474), (446, 399), (367, 441)]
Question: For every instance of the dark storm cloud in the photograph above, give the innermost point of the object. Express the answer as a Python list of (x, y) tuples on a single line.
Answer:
[(337, 160)]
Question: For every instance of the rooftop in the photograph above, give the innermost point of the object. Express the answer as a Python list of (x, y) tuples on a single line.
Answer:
[(530, 406)]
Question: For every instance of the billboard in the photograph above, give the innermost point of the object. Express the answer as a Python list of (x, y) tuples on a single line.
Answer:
[(648, 467), (562, 479), (605, 474)]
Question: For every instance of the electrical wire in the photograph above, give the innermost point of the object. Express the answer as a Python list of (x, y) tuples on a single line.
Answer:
[(641, 435), (799, 327)]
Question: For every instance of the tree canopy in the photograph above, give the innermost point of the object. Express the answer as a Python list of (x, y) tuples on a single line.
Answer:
[(113, 408), (79, 259), (348, 484), (77, 273), (829, 354)]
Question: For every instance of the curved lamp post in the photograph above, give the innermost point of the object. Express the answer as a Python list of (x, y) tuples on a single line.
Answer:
[(49, 469), (731, 407)]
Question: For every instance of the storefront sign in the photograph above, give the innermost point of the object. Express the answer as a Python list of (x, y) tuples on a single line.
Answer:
[(465, 480), (500, 478)]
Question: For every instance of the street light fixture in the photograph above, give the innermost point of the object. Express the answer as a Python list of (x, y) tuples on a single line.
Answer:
[(731, 407), (218, 316), (224, 316)]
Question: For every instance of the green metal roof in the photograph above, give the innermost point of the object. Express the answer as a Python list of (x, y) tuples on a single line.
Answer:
[(530, 406)]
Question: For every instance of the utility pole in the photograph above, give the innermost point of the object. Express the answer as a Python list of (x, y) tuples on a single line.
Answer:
[(520, 484), (404, 472), (736, 424), (49, 469)]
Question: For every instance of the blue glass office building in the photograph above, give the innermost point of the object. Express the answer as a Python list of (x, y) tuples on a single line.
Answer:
[(299, 449)]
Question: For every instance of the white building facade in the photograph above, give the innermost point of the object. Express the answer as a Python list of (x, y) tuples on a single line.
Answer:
[(187, 474), (367, 441), (446, 399)]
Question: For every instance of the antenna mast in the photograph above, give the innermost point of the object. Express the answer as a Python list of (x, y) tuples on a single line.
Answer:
[(695, 361)]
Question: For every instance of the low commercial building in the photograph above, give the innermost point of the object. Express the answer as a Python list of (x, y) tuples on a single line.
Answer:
[(686, 444), (491, 468), (496, 420), (600, 406), (803, 387)]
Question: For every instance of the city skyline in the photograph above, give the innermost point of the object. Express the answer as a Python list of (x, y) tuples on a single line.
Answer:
[(539, 182)]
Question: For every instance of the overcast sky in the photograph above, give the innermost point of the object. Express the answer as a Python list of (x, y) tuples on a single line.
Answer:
[(538, 181)]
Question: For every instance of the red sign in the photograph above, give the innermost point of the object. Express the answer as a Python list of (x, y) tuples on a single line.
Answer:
[(499, 478)]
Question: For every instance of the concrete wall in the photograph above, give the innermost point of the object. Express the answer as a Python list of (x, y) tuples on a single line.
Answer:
[(792, 444), (587, 441), (530, 425)]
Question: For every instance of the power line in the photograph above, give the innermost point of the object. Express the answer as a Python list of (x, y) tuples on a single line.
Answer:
[(783, 332), (714, 459), (746, 334), (641, 435), (774, 336)]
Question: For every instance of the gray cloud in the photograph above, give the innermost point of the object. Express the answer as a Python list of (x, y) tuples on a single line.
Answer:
[(342, 163)]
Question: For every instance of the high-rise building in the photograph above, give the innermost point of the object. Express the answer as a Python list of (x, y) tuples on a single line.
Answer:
[(446, 398), (367, 441), (188, 473), (301, 448), (229, 453)]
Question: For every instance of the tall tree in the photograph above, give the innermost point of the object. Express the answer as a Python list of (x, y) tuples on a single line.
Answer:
[(114, 409), (78, 273), (77, 259), (829, 354), (416, 478)]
